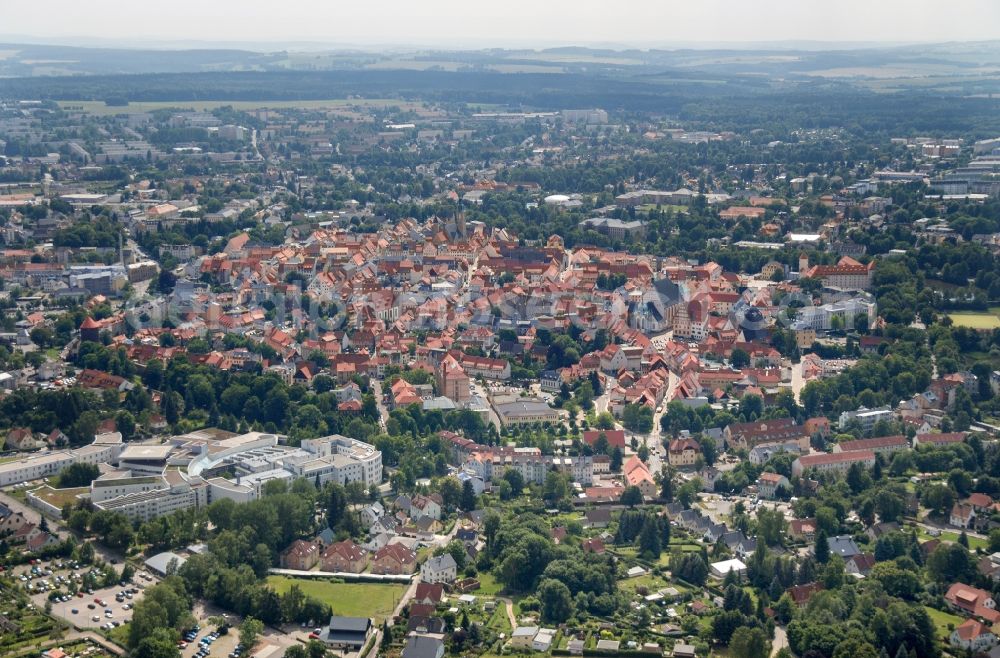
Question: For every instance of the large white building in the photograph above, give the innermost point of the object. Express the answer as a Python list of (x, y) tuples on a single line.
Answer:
[(865, 417), (105, 449), (154, 479), (150, 497), (821, 318), (337, 459)]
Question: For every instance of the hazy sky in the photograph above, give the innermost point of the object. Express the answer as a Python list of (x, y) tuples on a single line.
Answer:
[(450, 23)]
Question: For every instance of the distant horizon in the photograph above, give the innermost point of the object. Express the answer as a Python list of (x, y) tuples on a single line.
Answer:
[(309, 45), (451, 24)]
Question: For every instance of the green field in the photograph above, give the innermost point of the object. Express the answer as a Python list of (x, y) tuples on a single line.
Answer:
[(101, 109), (948, 535), (376, 600), (977, 320), (942, 620), (488, 585)]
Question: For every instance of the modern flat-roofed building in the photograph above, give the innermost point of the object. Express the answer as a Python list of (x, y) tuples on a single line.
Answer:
[(865, 417), (338, 459), (33, 467), (145, 459)]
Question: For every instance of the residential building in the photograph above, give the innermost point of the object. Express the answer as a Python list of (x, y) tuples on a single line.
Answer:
[(393, 559), (837, 462), (439, 569), (423, 646), (972, 601), (963, 515), (637, 475), (769, 483), (884, 445), (973, 636), (844, 546), (301, 555), (939, 439), (344, 556), (865, 417), (347, 633), (683, 453)]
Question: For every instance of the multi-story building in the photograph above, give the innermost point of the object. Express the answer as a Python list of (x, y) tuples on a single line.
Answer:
[(822, 318), (747, 435), (637, 475), (337, 459), (847, 274), (301, 555), (865, 417), (769, 483), (393, 559), (883, 445), (344, 556), (683, 452), (837, 462), (34, 467), (439, 569), (490, 463), (453, 381)]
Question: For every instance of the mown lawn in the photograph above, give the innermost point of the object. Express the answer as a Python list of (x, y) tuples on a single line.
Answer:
[(942, 620), (376, 600), (488, 585), (948, 535)]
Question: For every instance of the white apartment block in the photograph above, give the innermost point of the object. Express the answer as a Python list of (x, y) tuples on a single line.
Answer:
[(867, 418), (338, 459), (820, 318), (46, 464)]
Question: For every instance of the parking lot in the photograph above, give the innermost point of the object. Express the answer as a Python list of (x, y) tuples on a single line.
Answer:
[(97, 610), (82, 606), (207, 642)]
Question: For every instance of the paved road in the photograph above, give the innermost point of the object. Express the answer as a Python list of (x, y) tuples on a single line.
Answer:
[(15, 505), (479, 390), (780, 640), (798, 383), (509, 607), (383, 413)]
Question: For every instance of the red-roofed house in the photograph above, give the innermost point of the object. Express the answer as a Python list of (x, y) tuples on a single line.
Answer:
[(344, 556), (939, 439), (972, 635), (683, 452), (838, 462), (637, 475), (302, 555), (972, 601), (394, 559), (883, 444)]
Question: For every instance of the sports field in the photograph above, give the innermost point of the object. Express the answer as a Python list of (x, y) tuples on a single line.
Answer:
[(977, 319)]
